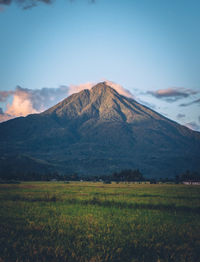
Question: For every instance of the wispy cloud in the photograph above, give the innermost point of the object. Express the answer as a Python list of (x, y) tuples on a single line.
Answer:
[(4, 95), (172, 94), (27, 4), (150, 105), (180, 116), (197, 101)]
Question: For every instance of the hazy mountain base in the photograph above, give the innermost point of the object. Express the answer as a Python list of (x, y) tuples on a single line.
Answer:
[(98, 132)]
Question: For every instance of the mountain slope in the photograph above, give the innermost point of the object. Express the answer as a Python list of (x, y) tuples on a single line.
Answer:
[(99, 131)]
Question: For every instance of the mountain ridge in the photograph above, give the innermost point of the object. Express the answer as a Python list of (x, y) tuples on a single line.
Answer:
[(94, 97), (99, 131)]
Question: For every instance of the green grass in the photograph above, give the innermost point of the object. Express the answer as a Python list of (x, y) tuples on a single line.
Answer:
[(55, 221)]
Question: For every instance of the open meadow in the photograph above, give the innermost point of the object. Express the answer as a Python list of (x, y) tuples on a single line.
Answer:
[(86, 221)]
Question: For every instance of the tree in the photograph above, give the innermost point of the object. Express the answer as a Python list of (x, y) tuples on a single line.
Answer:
[(128, 175)]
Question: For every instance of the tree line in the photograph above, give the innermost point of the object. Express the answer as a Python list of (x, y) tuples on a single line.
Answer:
[(126, 175)]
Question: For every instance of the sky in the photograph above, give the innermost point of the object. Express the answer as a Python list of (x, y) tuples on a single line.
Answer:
[(48, 50)]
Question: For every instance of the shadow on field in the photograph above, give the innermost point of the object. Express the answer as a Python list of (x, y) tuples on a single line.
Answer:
[(109, 203), (124, 205)]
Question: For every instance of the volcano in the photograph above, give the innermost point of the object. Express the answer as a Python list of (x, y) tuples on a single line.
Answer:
[(95, 132)]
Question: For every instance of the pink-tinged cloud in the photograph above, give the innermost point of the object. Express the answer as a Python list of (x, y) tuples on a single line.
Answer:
[(120, 89), (4, 116), (28, 101), (172, 94), (77, 88), (21, 105)]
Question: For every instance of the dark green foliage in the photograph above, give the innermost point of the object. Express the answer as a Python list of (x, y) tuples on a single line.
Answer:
[(152, 181), (55, 176), (107, 182), (9, 182), (128, 175), (188, 176)]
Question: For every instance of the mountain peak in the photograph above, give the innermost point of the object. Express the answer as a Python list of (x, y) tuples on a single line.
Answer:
[(103, 89), (103, 86), (102, 103)]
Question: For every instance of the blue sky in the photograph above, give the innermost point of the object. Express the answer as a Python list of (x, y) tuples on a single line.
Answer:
[(144, 45)]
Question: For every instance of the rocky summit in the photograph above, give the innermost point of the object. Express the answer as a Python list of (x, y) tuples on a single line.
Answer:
[(95, 132)]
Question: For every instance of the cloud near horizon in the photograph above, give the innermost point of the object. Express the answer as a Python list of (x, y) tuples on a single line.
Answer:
[(29, 101), (172, 94), (197, 101)]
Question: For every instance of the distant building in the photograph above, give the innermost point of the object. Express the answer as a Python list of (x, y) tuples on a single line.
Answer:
[(191, 183)]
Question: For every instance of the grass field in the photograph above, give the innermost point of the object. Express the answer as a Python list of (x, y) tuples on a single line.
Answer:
[(85, 221)]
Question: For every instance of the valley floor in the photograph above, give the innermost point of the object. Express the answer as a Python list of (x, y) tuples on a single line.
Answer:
[(96, 222)]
